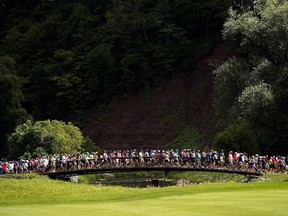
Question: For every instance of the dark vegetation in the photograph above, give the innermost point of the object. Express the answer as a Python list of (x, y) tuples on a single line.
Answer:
[(62, 58), (65, 56), (252, 88)]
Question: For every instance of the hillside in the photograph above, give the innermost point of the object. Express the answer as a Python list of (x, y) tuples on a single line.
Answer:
[(59, 57), (66, 60), (155, 121)]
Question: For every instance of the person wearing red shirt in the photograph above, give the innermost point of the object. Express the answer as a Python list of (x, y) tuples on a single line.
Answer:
[(4, 167)]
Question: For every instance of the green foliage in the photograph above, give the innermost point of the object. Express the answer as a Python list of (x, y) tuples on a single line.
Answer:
[(74, 53), (25, 156), (252, 88), (89, 146), (41, 137), (205, 177), (237, 136), (187, 139), (88, 179), (101, 68), (200, 18), (254, 98), (229, 75), (39, 152), (11, 111), (263, 30)]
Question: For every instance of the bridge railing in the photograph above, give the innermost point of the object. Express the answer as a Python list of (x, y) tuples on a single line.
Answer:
[(146, 162)]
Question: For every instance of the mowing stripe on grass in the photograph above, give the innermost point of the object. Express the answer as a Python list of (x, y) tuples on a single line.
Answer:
[(238, 203)]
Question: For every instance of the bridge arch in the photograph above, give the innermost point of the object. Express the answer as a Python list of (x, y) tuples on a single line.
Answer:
[(59, 174)]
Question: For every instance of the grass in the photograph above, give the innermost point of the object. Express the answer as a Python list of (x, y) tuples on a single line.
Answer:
[(192, 177), (41, 196), (122, 176), (206, 177)]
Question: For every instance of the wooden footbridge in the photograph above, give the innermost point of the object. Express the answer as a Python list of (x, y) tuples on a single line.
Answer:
[(65, 174)]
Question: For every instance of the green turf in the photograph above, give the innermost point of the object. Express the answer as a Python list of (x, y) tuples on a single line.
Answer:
[(40, 196)]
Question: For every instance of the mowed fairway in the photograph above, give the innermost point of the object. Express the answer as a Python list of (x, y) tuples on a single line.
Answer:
[(47, 197)]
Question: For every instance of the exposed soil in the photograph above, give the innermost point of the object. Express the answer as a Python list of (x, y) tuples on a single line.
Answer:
[(155, 121)]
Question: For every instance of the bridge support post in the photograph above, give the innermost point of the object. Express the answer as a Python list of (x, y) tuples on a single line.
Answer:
[(165, 174), (155, 182), (54, 177)]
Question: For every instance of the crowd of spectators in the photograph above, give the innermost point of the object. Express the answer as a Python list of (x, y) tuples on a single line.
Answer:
[(148, 158)]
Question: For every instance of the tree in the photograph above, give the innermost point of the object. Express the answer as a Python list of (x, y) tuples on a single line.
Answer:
[(200, 18), (254, 88), (11, 111), (101, 71), (145, 43), (237, 136), (76, 53), (54, 137)]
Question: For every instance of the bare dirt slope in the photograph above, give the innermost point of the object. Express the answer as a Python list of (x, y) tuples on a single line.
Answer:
[(155, 121)]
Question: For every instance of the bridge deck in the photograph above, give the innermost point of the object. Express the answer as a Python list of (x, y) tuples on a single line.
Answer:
[(137, 169)]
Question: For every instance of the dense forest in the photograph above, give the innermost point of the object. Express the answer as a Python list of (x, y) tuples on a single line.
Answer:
[(59, 57)]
